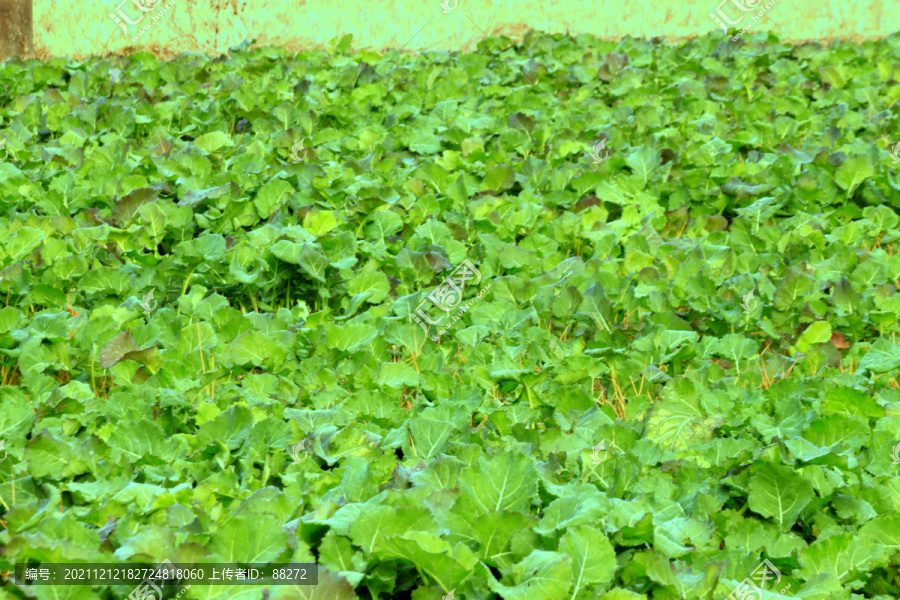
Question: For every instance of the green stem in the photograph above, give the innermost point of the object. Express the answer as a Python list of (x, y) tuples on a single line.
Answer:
[(186, 281)]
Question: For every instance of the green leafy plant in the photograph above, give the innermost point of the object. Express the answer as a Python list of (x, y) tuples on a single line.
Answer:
[(680, 361)]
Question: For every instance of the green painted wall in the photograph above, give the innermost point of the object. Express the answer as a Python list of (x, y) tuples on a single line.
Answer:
[(83, 28)]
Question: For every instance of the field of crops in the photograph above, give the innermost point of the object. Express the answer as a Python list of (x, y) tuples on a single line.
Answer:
[(558, 319)]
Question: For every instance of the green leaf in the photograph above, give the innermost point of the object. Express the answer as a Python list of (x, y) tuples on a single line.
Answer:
[(795, 286), (677, 421), (853, 172), (372, 285), (117, 348), (48, 455), (331, 586), (882, 356), (255, 348), (839, 556), (230, 428), (431, 555), (502, 482), (23, 243), (287, 251), (430, 437), (541, 576), (249, 538), (498, 178), (424, 142), (272, 197), (644, 162), (817, 333), (211, 142), (397, 375), (313, 263), (373, 526), (584, 506), (319, 222), (129, 205), (350, 338), (778, 492), (593, 558)]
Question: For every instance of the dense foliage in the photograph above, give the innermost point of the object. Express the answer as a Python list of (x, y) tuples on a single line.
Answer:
[(684, 363)]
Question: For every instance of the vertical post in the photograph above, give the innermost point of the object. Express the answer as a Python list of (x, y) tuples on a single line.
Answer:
[(16, 35)]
